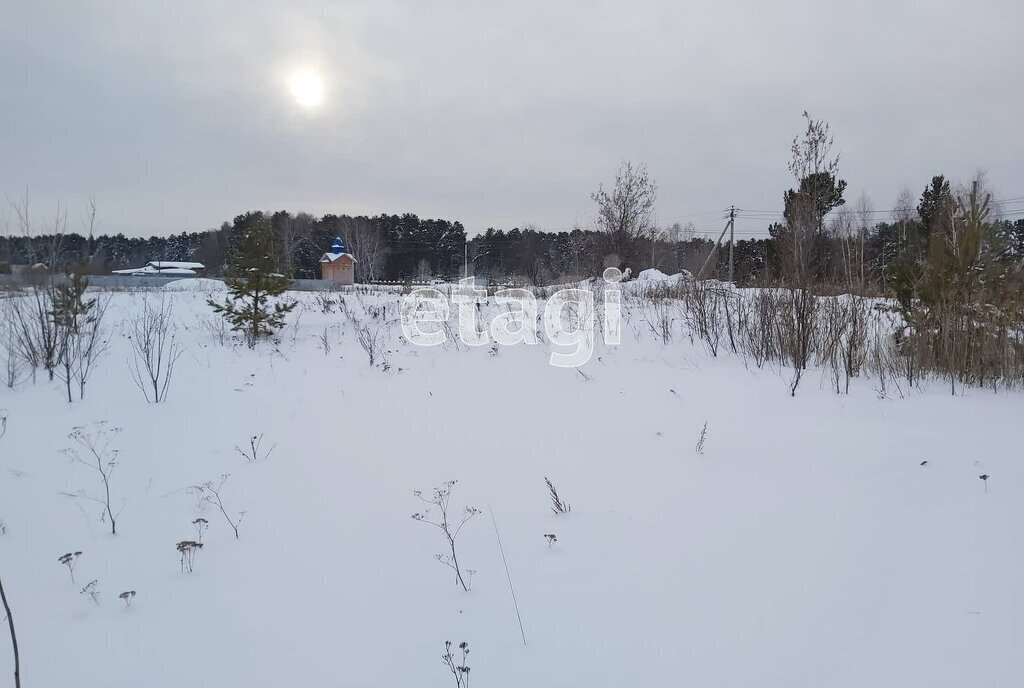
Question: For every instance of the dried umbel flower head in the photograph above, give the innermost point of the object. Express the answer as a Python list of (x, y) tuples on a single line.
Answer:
[(69, 559), (92, 591), (188, 549), (461, 670), (551, 538), (127, 596)]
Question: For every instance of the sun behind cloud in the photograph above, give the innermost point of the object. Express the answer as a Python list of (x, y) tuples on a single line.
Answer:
[(307, 89)]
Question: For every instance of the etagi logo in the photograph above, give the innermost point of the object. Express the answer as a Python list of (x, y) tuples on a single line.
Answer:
[(570, 319)]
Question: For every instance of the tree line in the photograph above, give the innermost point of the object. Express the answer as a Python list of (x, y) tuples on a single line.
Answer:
[(819, 239)]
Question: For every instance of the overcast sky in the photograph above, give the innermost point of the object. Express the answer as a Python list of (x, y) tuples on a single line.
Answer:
[(178, 115)]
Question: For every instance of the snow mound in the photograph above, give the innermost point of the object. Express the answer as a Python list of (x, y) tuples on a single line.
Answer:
[(656, 275), (652, 275)]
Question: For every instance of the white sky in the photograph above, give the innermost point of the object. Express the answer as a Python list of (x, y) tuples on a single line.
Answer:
[(496, 114)]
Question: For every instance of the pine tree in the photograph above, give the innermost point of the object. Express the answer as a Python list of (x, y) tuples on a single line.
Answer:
[(73, 315), (71, 309), (248, 306)]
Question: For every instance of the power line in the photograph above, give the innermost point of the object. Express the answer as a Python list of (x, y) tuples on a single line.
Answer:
[(754, 212)]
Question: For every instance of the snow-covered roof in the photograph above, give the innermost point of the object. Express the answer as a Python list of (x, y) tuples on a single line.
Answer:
[(150, 270), (147, 269), (184, 265), (331, 257)]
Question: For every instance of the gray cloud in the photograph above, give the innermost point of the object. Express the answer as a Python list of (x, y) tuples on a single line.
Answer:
[(176, 118)]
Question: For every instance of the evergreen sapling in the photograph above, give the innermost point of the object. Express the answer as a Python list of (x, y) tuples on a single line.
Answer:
[(251, 305)]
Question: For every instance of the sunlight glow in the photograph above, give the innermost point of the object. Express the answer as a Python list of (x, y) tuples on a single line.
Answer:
[(307, 88)]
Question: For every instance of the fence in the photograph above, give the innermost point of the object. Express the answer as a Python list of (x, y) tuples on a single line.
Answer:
[(153, 282), (99, 281)]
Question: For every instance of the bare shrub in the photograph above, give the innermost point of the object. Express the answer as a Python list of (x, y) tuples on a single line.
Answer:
[(326, 302), (13, 363), (797, 323), (706, 313), (324, 342), (843, 338), (34, 335), (89, 344), (758, 336), (216, 327), (372, 341), (657, 314), (155, 348)]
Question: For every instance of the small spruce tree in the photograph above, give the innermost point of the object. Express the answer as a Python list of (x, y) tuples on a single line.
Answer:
[(72, 315), (71, 310), (254, 283)]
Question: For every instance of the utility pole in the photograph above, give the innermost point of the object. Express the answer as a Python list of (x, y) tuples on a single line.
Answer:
[(732, 241), (714, 251)]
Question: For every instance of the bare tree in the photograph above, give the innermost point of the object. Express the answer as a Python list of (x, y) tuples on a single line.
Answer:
[(841, 229), (626, 214), (46, 251), (12, 359), (34, 337), (903, 215), (863, 211), (818, 191), (366, 242), (155, 348)]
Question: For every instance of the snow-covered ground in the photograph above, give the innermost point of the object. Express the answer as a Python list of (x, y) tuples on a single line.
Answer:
[(806, 546)]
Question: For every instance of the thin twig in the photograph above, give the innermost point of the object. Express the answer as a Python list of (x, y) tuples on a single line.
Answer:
[(14, 638), (507, 575)]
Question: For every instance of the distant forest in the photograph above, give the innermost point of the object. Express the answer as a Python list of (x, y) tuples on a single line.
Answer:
[(404, 247)]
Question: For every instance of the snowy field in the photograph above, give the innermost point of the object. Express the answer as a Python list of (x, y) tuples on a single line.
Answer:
[(807, 545)]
